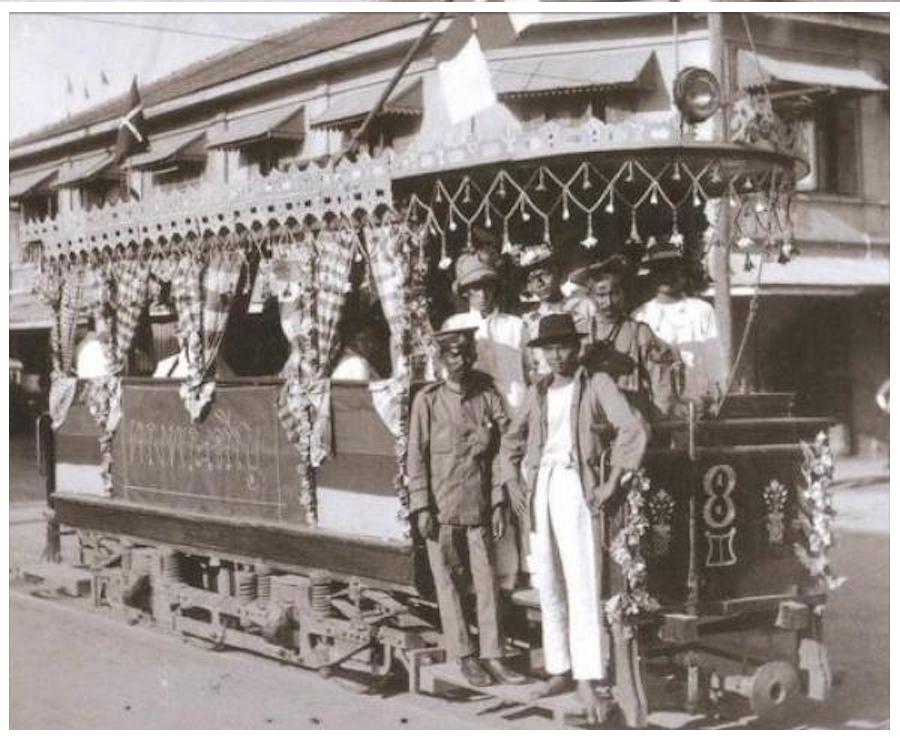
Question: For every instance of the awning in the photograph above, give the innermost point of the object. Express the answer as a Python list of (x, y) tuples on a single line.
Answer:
[(754, 71), (31, 183), (601, 70), (349, 108), (285, 124), (172, 150), (99, 166), (811, 275), (28, 312)]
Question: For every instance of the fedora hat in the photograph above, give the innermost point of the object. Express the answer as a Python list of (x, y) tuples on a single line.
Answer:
[(472, 268), (612, 264), (556, 328)]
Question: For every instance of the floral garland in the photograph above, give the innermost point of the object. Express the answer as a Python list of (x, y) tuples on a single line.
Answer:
[(816, 513), (626, 552)]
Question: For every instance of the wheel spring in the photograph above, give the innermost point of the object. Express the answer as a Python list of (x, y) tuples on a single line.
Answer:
[(320, 594), (171, 566), (246, 586), (263, 583)]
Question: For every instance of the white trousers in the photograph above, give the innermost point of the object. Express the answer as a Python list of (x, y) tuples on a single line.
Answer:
[(566, 575)]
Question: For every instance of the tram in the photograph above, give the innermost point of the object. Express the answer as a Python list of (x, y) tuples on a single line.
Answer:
[(241, 525)]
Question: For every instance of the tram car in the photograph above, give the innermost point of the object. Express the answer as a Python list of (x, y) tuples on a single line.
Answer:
[(203, 533), (205, 521)]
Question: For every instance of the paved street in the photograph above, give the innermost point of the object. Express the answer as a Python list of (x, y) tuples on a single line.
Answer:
[(64, 656)]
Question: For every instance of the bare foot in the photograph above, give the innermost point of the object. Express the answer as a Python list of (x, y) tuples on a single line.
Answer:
[(557, 684), (596, 709)]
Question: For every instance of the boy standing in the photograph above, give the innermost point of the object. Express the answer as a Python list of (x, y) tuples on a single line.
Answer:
[(457, 502), (561, 438)]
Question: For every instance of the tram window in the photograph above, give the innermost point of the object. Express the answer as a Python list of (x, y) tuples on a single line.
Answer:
[(832, 142)]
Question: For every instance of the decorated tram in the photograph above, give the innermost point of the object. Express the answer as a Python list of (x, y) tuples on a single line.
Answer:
[(267, 509)]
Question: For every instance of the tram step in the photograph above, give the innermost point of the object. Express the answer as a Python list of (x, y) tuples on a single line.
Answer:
[(506, 700)]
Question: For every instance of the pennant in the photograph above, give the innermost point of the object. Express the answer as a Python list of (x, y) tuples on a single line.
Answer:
[(463, 74), (132, 135)]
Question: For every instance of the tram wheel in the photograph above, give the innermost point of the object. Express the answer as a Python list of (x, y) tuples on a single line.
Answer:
[(774, 690)]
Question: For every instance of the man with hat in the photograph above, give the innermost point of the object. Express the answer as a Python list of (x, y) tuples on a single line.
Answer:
[(498, 343), (457, 501), (498, 338), (686, 323), (542, 289), (643, 366), (572, 475)]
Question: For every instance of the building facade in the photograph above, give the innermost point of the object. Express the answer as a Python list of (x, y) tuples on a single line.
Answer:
[(236, 132)]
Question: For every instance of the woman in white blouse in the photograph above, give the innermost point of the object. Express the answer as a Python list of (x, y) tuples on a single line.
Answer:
[(686, 323)]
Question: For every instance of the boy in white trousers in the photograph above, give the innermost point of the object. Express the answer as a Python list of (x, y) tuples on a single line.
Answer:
[(563, 436)]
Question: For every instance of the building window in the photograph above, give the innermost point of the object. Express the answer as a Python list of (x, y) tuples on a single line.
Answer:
[(385, 131), (265, 156), (832, 139), (179, 176), (39, 206), (565, 108)]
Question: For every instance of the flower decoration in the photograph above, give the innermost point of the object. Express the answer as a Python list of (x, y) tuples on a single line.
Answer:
[(815, 512), (626, 552), (775, 497), (660, 508)]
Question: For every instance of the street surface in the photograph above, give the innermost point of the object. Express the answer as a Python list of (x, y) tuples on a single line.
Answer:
[(75, 667)]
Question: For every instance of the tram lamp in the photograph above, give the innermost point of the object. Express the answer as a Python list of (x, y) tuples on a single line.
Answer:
[(697, 94)]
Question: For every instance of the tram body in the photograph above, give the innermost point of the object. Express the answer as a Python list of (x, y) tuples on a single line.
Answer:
[(204, 530)]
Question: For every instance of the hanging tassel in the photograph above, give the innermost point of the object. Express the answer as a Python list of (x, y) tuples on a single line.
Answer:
[(676, 238), (654, 198), (716, 175), (748, 184), (759, 206), (437, 196), (487, 215), (467, 194), (446, 262), (697, 201), (630, 176), (565, 209), (634, 236), (748, 263), (586, 183), (525, 215), (541, 187), (611, 207), (507, 246), (676, 175), (589, 241), (501, 190)]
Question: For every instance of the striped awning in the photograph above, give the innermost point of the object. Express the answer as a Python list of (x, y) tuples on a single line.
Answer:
[(284, 124), (31, 183), (172, 150), (350, 108), (590, 70), (98, 166), (758, 70)]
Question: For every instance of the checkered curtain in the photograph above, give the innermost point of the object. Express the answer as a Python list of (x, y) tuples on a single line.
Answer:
[(396, 261), (310, 279), (61, 289), (203, 287)]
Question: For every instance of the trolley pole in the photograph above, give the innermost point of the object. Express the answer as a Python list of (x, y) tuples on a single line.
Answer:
[(721, 265)]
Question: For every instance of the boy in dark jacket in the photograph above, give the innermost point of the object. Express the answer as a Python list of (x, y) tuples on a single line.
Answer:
[(456, 499)]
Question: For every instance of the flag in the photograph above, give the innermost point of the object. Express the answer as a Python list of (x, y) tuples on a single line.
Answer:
[(104, 80), (132, 135), (463, 73)]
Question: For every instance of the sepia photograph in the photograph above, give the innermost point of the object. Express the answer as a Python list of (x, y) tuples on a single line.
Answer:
[(449, 366)]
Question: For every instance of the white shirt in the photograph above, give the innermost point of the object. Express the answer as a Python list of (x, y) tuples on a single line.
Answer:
[(558, 447), (690, 326), (91, 361), (353, 368), (498, 343)]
